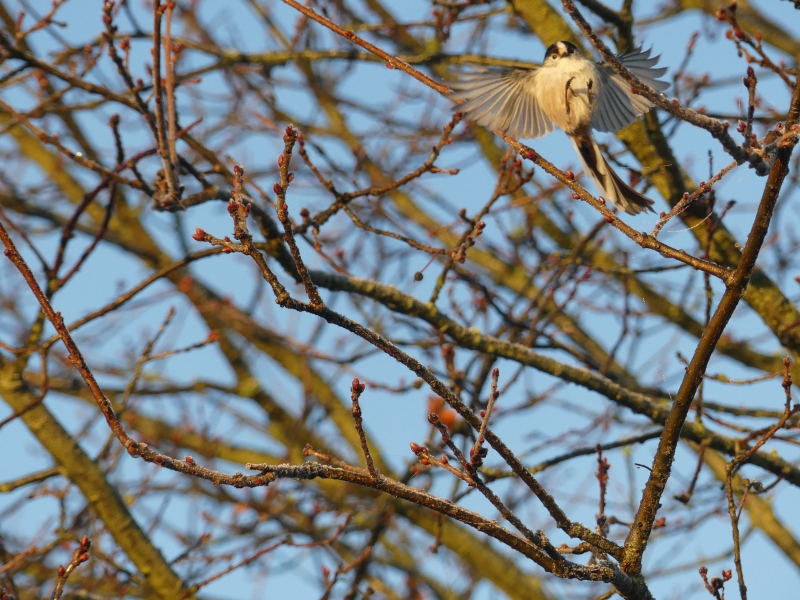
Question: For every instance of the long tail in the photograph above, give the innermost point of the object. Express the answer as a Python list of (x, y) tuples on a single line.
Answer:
[(617, 191)]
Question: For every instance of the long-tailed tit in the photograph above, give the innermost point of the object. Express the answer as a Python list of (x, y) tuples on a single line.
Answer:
[(573, 93)]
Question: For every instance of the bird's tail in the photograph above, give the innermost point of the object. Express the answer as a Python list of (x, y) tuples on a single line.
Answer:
[(617, 191)]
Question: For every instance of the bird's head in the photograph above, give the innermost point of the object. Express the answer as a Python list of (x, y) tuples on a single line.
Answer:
[(559, 50)]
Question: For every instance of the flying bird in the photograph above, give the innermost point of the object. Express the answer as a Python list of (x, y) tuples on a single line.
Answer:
[(570, 92)]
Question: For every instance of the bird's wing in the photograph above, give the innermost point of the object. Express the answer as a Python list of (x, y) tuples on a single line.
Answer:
[(618, 106), (502, 99)]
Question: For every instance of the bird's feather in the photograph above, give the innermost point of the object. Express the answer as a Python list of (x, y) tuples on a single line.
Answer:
[(502, 99), (617, 191), (617, 105)]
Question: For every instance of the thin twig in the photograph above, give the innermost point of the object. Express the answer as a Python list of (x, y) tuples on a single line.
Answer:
[(280, 188), (477, 453), (169, 68), (356, 390), (390, 60), (80, 556), (169, 196), (687, 495)]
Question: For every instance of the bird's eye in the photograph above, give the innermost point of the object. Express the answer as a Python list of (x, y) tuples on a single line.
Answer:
[(554, 56)]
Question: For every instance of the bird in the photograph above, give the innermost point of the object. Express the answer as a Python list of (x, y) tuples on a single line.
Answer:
[(570, 92)]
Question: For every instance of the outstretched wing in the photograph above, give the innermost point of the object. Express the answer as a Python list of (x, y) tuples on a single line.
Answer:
[(502, 99), (617, 105)]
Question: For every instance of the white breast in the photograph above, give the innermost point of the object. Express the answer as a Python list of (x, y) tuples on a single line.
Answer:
[(569, 108)]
